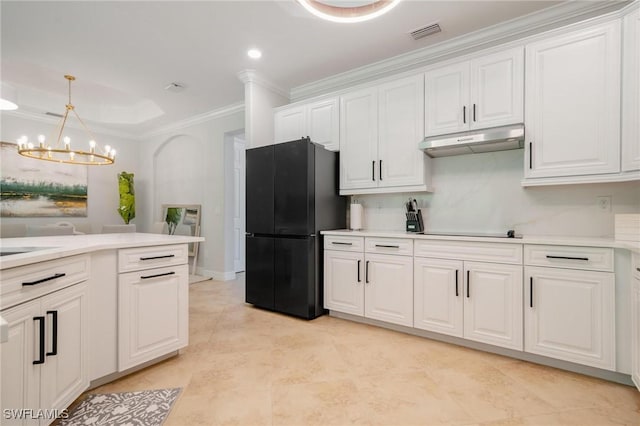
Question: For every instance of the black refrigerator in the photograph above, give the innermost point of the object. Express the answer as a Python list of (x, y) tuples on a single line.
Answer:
[(292, 194)]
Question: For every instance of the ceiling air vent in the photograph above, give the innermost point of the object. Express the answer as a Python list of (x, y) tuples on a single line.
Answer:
[(54, 114), (425, 31)]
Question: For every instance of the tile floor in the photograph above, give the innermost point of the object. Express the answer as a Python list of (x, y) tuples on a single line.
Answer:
[(246, 366)]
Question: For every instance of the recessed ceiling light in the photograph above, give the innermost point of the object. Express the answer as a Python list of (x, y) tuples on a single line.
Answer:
[(254, 53)]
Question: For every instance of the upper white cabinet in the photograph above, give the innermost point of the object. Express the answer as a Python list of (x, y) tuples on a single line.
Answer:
[(631, 92), (317, 120), (480, 93), (573, 103), (380, 128)]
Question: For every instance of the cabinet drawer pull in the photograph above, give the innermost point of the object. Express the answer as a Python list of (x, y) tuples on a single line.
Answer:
[(52, 277), (474, 112), (531, 292), (166, 256), (40, 359), (387, 246), (366, 272), (464, 114), (340, 243), (54, 326), (373, 170), (530, 155), (456, 283), (359, 280), (146, 277), (468, 280), (586, 259)]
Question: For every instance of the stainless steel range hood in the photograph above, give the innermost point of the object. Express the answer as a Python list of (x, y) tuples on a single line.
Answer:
[(493, 139)]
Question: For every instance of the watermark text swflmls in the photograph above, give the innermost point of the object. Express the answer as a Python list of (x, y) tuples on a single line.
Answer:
[(30, 413)]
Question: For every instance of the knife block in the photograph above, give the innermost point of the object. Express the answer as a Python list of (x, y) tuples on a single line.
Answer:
[(415, 225)]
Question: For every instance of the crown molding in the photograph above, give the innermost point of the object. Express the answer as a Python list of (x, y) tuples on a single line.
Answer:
[(536, 22), (41, 118), (251, 76), (196, 119)]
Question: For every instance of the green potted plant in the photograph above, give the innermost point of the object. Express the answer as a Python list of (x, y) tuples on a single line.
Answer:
[(127, 208)]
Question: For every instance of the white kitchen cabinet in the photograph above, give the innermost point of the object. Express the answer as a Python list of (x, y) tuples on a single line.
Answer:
[(344, 282), (153, 316), (631, 92), (480, 93), (573, 103), (635, 321), (380, 128), (438, 295), (44, 363), (493, 304), (388, 294), (317, 120), (569, 305)]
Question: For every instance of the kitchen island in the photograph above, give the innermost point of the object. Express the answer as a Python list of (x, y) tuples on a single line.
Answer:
[(83, 310)]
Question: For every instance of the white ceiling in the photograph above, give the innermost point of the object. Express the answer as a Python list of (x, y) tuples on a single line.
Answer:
[(124, 53)]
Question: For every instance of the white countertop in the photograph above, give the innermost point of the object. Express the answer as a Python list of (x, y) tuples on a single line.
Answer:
[(55, 247), (533, 239)]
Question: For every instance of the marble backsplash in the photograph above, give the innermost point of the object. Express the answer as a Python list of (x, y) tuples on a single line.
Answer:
[(482, 193)]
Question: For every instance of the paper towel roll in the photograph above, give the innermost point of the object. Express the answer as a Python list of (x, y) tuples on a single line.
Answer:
[(356, 216)]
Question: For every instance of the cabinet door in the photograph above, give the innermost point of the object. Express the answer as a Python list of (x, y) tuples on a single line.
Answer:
[(259, 271), (388, 294), (569, 315), (493, 304), (20, 377), (573, 103), (65, 374), (635, 328), (260, 190), (294, 183), (447, 99), (401, 124), (322, 123), (344, 282), (290, 124), (359, 139), (437, 290), (631, 93), (153, 314), (294, 276), (497, 89)]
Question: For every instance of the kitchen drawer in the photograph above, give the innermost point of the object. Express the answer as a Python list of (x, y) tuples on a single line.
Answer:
[(140, 258), (344, 243), (25, 283), (464, 250), (586, 258), (636, 265), (399, 246)]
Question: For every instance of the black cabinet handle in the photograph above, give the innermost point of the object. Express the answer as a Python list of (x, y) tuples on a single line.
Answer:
[(530, 155), (638, 269), (359, 280), (146, 277), (54, 326), (373, 170), (468, 280), (380, 169), (586, 259), (474, 112), (531, 292), (464, 114), (158, 257), (40, 359), (52, 277), (387, 246), (456, 283), (340, 243), (366, 272)]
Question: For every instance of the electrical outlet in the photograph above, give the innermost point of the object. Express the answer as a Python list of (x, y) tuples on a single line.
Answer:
[(604, 203)]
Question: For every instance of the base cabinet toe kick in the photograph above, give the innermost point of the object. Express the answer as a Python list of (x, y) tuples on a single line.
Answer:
[(550, 304), (88, 318)]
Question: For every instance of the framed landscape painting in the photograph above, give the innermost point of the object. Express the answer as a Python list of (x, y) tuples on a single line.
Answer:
[(35, 188)]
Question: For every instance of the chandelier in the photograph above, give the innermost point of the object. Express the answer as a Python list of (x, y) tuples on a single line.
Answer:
[(348, 11), (62, 152)]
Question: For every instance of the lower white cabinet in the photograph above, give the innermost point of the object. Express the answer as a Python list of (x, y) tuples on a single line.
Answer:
[(153, 317), (44, 363), (493, 304), (388, 294), (569, 315), (635, 321), (343, 283)]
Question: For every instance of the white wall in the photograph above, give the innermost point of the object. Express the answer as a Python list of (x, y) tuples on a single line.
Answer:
[(103, 197), (260, 97), (482, 193), (186, 166)]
